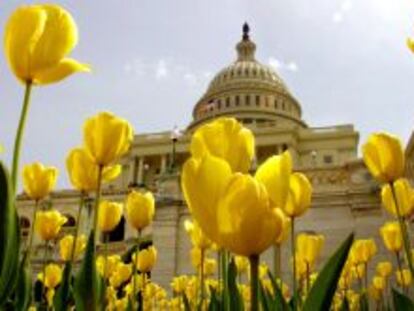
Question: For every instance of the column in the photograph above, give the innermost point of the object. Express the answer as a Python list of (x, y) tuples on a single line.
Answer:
[(140, 170), (163, 163)]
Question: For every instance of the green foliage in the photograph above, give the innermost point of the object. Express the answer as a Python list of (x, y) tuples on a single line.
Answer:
[(401, 301), (278, 300), (323, 290), (236, 302), (63, 295), (9, 237), (88, 287), (24, 285)]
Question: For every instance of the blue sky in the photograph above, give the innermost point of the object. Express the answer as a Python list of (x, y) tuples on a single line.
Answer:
[(345, 60)]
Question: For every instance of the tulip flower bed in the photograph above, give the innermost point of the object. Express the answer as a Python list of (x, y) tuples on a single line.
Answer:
[(235, 214)]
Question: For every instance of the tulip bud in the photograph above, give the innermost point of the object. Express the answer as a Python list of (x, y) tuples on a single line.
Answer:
[(403, 195), (392, 237), (39, 180), (146, 259), (299, 197), (83, 172), (48, 224), (107, 137), (384, 268), (225, 138), (286, 222), (120, 274), (140, 209), (111, 263), (379, 282), (109, 215), (242, 264), (53, 276), (384, 157), (362, 251), (309, 247), (404, 277), (209, 266), (66, 246), (36, 41)]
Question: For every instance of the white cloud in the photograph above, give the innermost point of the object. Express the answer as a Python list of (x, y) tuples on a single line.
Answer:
[(282, 66), (344, 8), (135, 67), (161, 70)]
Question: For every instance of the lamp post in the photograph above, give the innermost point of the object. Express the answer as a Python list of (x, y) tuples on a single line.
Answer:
[(175, 134)]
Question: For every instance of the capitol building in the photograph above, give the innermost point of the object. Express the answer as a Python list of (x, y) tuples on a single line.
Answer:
[(345, 196)]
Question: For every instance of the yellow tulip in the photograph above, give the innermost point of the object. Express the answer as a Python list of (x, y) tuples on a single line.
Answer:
[(210, 265), (274, 173), (392, 237), (404, 195), (49, 296), (379, 282), (48, 224), (404, 278), (263, 270), (39, 180), (179, 283), (109, 215), (384, 157), (36, 42), (107, 137), (121, 274), (384, 268), (146, 259), (225, 138), (410, 44), (247, 223), (66, 246), (301, 266), (374, 292), (362, 251), (83, 172), (196, 234), (284, 234), (195, 256), (140, 209), (242, 264), (111, 262), (203, 182), (299, 197), (309, 247), (233, 210), (53, 276)]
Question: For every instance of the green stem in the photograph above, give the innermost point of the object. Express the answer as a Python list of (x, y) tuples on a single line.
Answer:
[(366, 276), (75, 239), (307, 277), (276, 261), (254, 282), (224, 262), (400, 268), (29, 246), (404, 232), (97, 200), (44, 289), (134, 270), (293, 248), (19, 135)]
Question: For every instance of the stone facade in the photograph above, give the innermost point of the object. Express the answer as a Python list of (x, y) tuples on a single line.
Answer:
[(345, 197)]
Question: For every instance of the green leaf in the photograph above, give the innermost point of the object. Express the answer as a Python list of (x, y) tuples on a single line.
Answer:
[(214, 304), (63, 294), (363, 302), (401, 301), (187, 306), (24, 286), (87, 286), (236, 302), (9, 237), (345, 305), (264, 299), (323, 290), (278, 299)]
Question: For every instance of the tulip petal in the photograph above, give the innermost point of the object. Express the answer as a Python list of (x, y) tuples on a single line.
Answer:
[(62, 70), (59, 37), (274, 174), (111, 172), (410, 44), (23, 30), (203, 182)]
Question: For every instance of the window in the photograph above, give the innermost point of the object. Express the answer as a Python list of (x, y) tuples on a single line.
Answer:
[(283, 105), (247, 100), (328, 159), (257, 100), (276, 106), (227, 101), (118, 234), (237, 101)]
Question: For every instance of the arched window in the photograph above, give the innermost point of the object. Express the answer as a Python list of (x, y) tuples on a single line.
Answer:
[(71, 222), (25, 225)]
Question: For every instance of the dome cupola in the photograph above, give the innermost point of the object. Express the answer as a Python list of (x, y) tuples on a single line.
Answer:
[(249, 91)]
